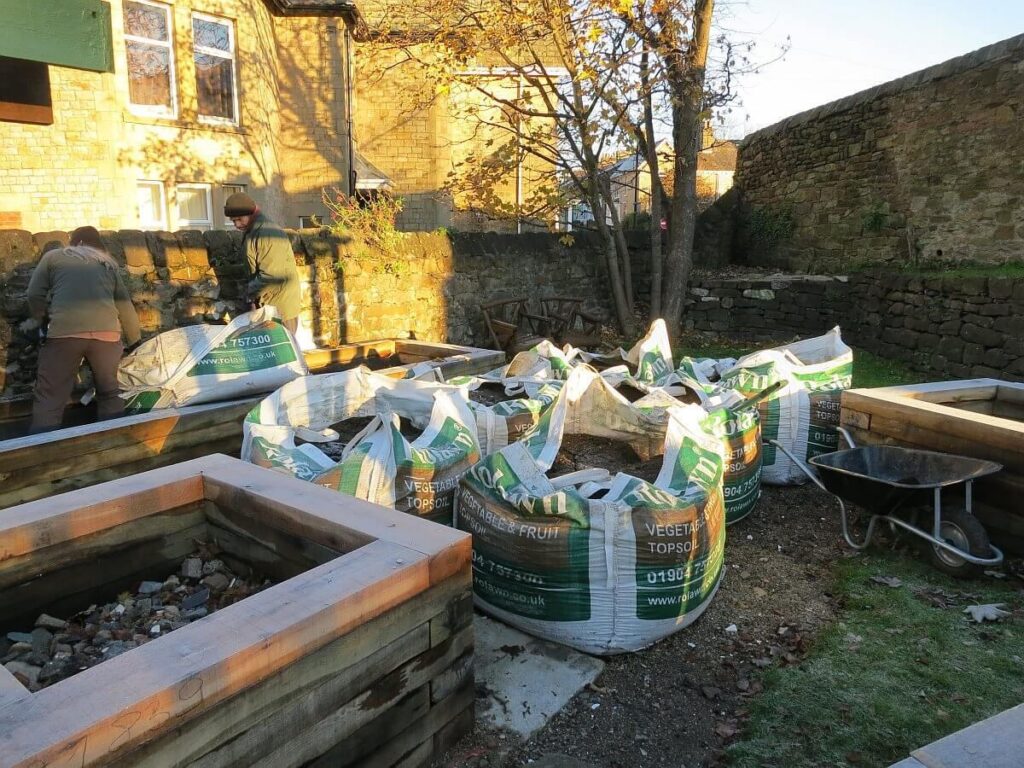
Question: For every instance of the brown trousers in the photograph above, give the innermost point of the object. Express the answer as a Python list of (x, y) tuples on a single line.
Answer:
[(59, 361)]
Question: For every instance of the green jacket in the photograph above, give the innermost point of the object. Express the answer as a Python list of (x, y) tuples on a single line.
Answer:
[(81, 290), (275, 278)]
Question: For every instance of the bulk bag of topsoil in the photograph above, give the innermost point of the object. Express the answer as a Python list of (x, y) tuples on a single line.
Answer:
[(602, 566), (739, 431), (252, 354), (802, 415), (379, 463)]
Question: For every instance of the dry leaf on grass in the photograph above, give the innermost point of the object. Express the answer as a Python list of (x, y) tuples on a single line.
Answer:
[(989, 612)]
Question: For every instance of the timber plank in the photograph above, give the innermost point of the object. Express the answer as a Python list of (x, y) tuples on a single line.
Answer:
[(43, 523), (58, 466), (397, 750), (1002, 433), (277, 732), (203, 664), (258, 492), (23, 452), (382, 696), (79, 482), (342, 658), (11, 691)]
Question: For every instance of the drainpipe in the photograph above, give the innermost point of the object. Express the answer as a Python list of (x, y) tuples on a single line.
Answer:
[(519, 158), (349, 97)]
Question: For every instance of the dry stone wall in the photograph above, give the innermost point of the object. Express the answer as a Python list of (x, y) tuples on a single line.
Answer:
[(921, 170), (945, 327), (431, 289)]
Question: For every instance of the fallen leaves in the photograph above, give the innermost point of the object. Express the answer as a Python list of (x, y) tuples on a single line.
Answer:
[(892, 582)]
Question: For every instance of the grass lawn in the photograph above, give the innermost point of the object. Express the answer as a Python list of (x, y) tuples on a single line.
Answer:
[(868, 370), (901, 668)]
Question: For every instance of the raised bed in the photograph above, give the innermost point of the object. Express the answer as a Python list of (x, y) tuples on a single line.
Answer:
[(359, 655), (37, 466), (983, 418)]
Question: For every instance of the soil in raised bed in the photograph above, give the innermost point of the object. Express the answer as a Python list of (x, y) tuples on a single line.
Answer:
[(57, 648)]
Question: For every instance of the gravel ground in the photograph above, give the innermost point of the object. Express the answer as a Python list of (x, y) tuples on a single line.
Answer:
[(676, 704)]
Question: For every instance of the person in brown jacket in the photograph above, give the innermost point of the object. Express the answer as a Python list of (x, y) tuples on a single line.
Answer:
[(79, 289)]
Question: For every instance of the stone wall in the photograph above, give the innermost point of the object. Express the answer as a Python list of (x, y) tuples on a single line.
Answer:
[(945, 327), (921, 170), (432, 289)]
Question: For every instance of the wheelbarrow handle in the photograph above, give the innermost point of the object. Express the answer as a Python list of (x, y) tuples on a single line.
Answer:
[(858, 545), (755, 398)]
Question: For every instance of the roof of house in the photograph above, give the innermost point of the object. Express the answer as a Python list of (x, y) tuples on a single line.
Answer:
[(720, 157)]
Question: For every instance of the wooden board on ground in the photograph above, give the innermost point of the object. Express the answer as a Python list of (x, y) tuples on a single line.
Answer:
[(38, 466), (980, 418)]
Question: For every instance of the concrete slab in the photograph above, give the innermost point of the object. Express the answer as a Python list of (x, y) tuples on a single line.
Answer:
[(522, 681), (997, 742)]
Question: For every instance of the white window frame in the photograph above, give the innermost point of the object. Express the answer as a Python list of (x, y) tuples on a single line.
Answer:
[(231, 56), (161, 225), (150, 110), (225, 195), (204, 224)]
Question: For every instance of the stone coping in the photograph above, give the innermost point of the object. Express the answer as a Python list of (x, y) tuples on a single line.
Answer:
[(990, 53)]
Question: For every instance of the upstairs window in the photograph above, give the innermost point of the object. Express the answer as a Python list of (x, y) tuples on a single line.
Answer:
[(214, 42), (148, 41)]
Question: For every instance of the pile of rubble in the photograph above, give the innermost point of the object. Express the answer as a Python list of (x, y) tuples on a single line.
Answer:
[(57, 649)]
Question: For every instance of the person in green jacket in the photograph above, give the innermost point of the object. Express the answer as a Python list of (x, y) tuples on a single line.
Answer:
[(275, 278), (79, 289)]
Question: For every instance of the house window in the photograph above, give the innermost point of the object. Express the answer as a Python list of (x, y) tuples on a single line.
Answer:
[(310, 222), (147, 34), (214, 41), (152, 204), (195, 211), (25, 91), (227, 191)]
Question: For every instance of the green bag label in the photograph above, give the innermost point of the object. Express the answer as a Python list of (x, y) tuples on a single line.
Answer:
[(680, 547), (742, 473), (266, 345), (530, 554), (267, 454), (142, 402)]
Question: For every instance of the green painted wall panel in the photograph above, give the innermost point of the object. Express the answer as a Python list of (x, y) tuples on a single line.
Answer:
[(67, 33)]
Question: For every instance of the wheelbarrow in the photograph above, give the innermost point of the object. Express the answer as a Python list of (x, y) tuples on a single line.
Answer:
[(893, 484)]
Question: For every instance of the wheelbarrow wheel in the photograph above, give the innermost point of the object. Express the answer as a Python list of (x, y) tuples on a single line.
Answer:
[(961, 529)]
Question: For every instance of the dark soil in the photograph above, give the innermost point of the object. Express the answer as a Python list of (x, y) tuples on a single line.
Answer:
[(677, 703)]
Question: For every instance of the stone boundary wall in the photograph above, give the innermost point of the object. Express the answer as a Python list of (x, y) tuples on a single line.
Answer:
[(431, 290), (945, 327), (917, 171)]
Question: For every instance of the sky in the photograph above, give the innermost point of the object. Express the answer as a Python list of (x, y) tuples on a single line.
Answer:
[(839, 47)]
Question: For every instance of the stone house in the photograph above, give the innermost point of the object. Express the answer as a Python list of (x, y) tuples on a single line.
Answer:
[(630, 178), (418, 137), (147, 113)]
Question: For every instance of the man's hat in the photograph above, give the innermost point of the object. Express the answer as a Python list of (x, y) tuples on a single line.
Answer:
[(239, 204)]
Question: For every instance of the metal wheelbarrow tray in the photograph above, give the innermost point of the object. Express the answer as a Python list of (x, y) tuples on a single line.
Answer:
[(886, 480)]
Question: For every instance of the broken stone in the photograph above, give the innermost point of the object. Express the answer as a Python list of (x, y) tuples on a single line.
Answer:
[(27, 673), (195, 613), (150, 587), (212, 566), (192, 568), (50, 622), (196, 598), (216, 581), (171, 582), (19, 637)]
